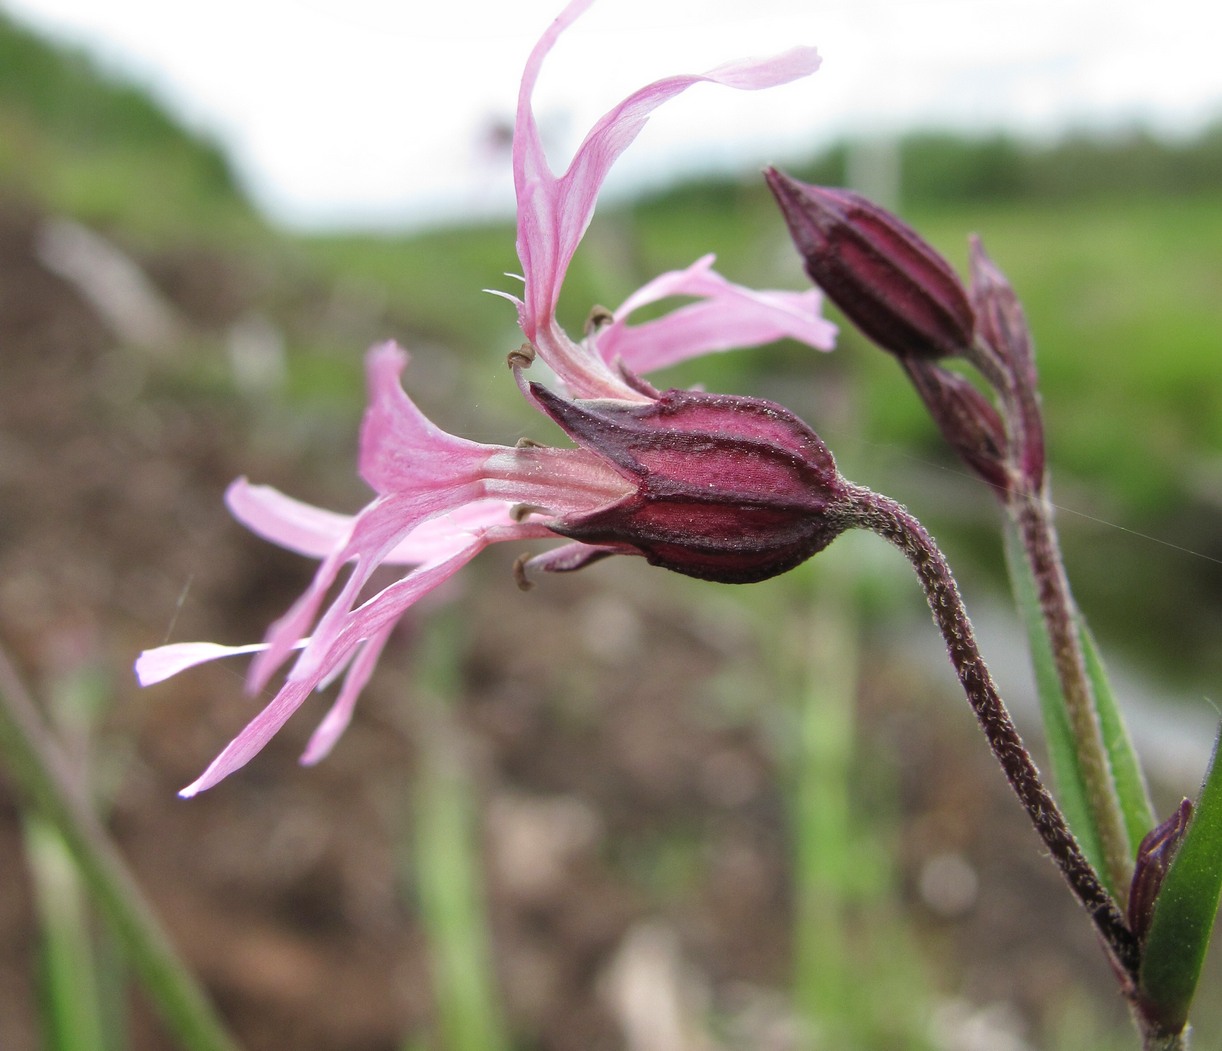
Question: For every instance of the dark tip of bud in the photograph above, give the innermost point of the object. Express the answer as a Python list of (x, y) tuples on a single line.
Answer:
[(888, 281), (1002, 325), (1000, 320), (1154, 857)]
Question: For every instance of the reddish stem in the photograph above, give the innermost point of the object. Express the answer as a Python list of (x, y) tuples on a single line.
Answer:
[(893, 522)]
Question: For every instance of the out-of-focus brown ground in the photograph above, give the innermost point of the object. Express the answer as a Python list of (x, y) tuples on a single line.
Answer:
[(589, 725)]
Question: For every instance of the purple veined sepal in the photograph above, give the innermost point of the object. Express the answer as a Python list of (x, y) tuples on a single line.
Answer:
[(728, 489)]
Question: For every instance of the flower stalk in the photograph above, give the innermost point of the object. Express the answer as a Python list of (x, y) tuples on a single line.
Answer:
[(894, 523)]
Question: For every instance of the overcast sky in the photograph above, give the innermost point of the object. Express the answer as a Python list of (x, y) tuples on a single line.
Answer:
[(380, 111)]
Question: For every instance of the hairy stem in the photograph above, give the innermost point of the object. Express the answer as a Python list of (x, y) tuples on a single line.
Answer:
[(1154, 1040), (1033, 518), (893, 522)]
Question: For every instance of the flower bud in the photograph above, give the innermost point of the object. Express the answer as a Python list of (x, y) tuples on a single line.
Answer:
[(966, 418), (729, 489), (1000, 320), (888, 281), (1154, 857), (1002, 325)]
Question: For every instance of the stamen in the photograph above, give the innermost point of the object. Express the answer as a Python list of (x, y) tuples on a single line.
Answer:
[(519, 573), (599, 317), (521, 512), (521, 358), (528, 443)]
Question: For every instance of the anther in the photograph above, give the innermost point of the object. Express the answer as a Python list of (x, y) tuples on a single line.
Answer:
[(521, 358), (521, 512), (599, 317), (519, 573)]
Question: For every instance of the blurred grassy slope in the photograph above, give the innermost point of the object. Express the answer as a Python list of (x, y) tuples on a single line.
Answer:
[(1113, 245), (90, 145)]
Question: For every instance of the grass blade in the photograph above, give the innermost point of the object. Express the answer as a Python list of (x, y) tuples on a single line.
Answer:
[(39, 768), (448, 866), (72, 1017)]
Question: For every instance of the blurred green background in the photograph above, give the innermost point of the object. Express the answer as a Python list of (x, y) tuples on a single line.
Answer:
[(626, 810)]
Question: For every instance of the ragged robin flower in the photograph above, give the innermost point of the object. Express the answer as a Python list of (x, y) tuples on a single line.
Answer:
[(723, 488)]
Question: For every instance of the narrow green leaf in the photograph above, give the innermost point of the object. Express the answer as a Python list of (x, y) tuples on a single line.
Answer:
[(447, 865), (1130, 782), (1185, 911), (1066, 771), (72, 1016)]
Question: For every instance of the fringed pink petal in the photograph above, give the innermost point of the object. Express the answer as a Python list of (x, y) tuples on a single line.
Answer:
[(401, 448), (340, 713), (419, 469), (314, 532), (554, 212), (371, 620), (726, 316), (736, 320), (375, 532), (286, 522), (164, 662)]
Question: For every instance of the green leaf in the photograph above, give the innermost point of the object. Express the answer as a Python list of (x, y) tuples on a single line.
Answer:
[(72, 1015), (1131, 790), (1185, 911), (1066, 770)]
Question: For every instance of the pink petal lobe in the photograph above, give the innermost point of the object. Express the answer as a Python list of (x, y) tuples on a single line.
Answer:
[(401, 448), (375, 532), (554, 212), (340, 713), (371, 621), (726, 316), (249, 743), (164, 662), (286, 522)]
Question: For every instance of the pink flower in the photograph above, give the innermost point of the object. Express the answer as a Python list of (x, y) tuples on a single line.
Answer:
[(722, 488)]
